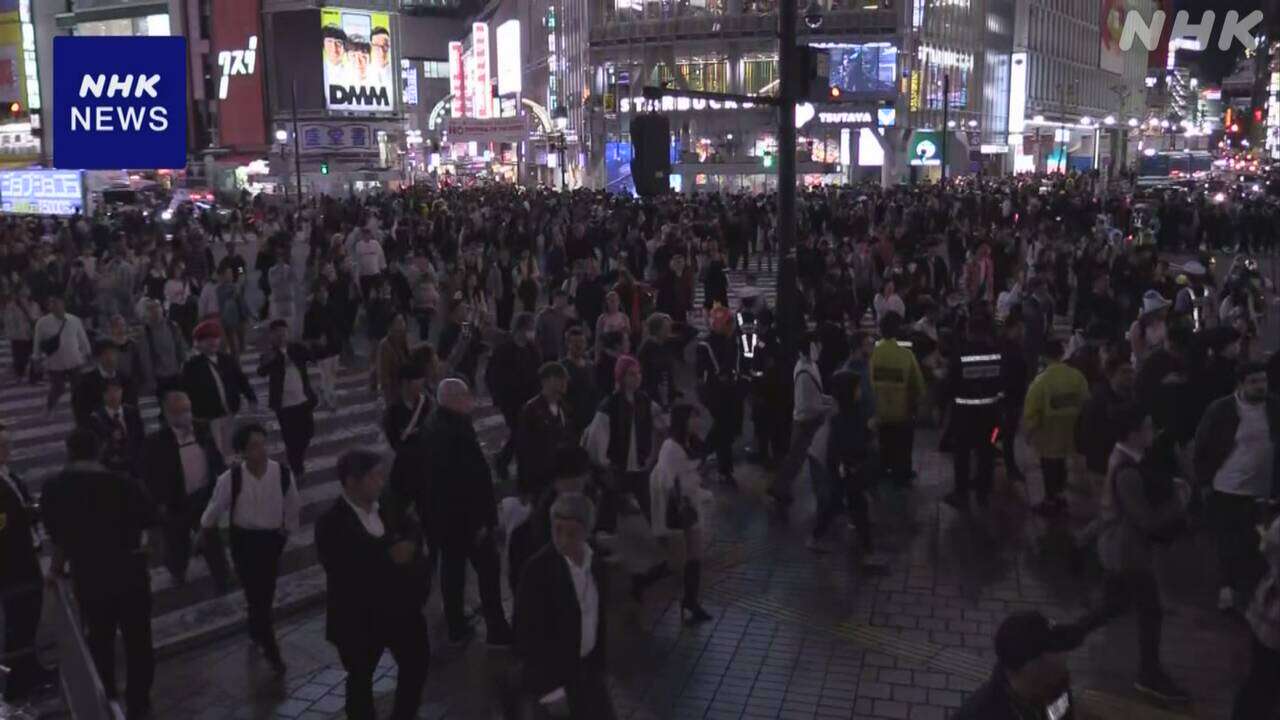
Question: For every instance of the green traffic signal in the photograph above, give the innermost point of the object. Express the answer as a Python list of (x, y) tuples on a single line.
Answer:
[(324, 168), (768, 159)]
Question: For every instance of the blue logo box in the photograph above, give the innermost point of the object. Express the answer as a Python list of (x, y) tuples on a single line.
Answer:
[(119, 103)]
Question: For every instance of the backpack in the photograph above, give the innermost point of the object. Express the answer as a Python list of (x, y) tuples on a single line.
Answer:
[(237, 483)]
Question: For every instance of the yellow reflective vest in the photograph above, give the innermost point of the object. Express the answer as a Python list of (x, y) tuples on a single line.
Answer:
[(1053, 404), (898, 384)]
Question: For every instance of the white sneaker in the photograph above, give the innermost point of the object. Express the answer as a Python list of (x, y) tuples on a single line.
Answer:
[(1226, 599)]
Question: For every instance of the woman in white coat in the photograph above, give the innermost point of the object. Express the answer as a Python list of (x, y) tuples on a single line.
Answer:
[(676, 472)]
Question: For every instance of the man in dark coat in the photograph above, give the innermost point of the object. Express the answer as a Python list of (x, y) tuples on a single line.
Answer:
[(289, 394), (560, 620), (86, 397), (120, 431), (96, 520), (512, 377), (1030, 679), (405, 420), (215, 384), (376, 588), (544, 426), (20, 581), (462, 513)]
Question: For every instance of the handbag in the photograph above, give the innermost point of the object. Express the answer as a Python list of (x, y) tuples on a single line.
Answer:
[(681, 513), (50, 345)]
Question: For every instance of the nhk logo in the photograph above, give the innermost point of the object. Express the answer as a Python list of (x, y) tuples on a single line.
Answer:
[(1149, 33), (119, 103)]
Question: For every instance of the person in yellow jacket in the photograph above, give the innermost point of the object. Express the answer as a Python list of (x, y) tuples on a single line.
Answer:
[(899, 386), (1053, 404)]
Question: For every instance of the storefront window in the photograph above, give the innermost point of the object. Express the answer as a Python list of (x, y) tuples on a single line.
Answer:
[(760, 76)]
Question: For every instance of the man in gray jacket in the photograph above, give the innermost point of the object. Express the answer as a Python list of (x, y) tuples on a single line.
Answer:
[(159, 352)]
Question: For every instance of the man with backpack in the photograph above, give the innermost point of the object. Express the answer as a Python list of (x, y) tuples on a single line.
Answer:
[(260, 498)]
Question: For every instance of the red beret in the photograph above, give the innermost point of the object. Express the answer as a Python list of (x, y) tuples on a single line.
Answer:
[(208, 329)]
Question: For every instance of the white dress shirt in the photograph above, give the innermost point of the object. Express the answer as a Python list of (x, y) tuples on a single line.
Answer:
[(195, 465), (371, 520), (291, 392), (584, 588), (217, 381), (260, 506)]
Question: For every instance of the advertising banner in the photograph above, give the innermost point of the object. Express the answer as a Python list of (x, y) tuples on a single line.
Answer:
[(409, 82), (925, 148), (41, 192), (10, 74), (1110, 26), (119, 102), (358, 74), (332, 138), (457, 81), (509, 63), (241, 102), (510, 129), (483, 96)]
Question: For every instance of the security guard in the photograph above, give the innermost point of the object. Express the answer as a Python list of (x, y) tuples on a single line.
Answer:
[(749, 339), (899, 387), (1192, 299), (20, 582), (718, 374), (974, 389)]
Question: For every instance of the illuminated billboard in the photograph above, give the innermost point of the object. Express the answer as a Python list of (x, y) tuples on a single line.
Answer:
[(866, 67), (41, 192), (509, 65), (482, 94), (238, 73), (358, 74), (457, 81)]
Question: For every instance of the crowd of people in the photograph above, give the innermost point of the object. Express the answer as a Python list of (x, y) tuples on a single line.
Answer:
[(625, 400)]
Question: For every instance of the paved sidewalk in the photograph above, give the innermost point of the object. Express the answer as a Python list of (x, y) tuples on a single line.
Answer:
[(796, 635)]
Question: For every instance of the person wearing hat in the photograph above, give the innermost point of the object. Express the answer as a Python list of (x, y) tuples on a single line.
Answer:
[(1147, 333), (561, 619), (1192, 299), (1030, 680), (215, 383)]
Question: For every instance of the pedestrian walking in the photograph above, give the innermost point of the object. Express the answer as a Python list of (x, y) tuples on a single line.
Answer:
[(289, 393)]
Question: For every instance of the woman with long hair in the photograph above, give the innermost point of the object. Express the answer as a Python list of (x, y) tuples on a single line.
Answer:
[(675, 496), (613, 319)]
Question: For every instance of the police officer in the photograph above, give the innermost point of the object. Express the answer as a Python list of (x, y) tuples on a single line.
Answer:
[(974, 387), (769, 391), (20, 582), (718, 373)]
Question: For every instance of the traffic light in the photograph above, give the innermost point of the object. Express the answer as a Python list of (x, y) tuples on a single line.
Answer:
[(324, 167), (1257, 115), (768, 158), (15, 109), (1235, 127), (835, 92)]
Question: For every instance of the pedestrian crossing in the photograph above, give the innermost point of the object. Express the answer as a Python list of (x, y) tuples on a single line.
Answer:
[(38, 452)]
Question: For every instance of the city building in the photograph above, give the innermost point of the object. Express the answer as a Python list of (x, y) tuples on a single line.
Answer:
[(20, 117)]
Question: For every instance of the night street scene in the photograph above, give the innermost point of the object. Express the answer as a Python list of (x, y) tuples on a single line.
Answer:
[(639, 359)]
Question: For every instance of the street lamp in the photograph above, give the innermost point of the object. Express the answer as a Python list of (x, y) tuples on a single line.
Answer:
[(560, 116), (1133, 122), (1109, 120), (282, 135)]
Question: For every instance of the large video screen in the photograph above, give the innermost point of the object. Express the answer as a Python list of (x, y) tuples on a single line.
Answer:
[(358, 74), (872, 67), (41, 192)]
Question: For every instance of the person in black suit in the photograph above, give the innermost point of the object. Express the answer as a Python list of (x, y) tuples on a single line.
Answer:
[(405, 420), (20, 581), (215, 383), (376, 588), (119, 429), (96, 520), (289, 394), (86, 397), (182, 463), (560, 619), (544, 427), (462, 513)]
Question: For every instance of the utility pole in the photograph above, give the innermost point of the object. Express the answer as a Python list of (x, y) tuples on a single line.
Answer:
[(297, 153), (787, 68), (946, 122)]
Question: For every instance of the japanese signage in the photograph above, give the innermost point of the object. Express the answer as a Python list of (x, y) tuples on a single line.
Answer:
[(120, 102), (409, 82), (480, 58), (358, 73), (41, 192), (508, 129), (914, 98), (334, 138), (457, 81), (509, 65), (241, 106)]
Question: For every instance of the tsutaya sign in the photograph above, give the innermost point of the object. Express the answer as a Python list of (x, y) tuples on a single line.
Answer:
[(857, 117)]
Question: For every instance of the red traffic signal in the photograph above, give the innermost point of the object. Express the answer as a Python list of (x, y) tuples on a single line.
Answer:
[(15, 109), (835, 92)]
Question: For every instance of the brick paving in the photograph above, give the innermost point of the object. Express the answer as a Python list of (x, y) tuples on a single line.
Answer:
[(796, 635)]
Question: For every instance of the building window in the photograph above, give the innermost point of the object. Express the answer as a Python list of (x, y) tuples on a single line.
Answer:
[(435, 69), (759, 76)]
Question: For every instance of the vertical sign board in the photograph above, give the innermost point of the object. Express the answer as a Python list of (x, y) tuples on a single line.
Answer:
[(1110, 27), (480, 56), (509, 64), (457, 81), (119, 102), (237, 27), (358, 72), (1018, 93)]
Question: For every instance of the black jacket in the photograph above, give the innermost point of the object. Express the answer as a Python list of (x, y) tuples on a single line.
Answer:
[(121, 448), (368, 594), (538, 436), (162, 469), (548, 622), (512, 375), (197, 381), (458, 485), (86, 397), (19, 558), (96, 518), (273, 368), (321, 330), (993, 701)]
